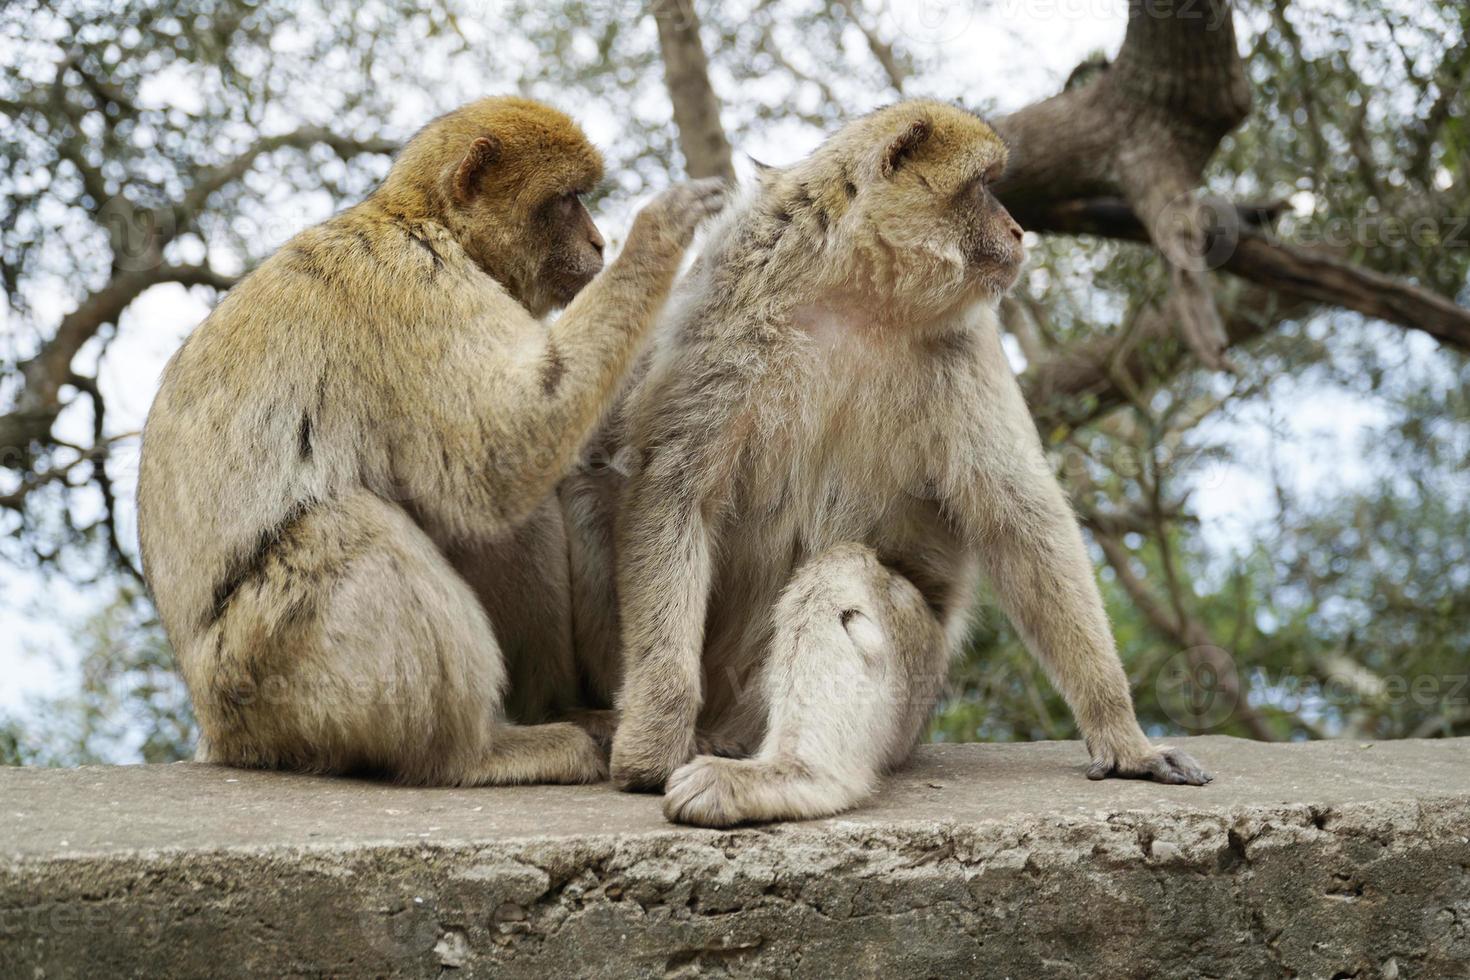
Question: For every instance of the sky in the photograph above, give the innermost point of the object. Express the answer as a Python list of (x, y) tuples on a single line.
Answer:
[(1015, 50)]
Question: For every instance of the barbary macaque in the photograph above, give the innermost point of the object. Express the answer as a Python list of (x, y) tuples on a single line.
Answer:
[(829, 449), (348, 505)]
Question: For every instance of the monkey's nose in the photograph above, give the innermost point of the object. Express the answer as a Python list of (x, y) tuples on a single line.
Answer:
[(1016, 231)]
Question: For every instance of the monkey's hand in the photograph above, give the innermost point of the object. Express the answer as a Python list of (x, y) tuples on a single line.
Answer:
[(666, 225), (1162, 764), (647, 749)]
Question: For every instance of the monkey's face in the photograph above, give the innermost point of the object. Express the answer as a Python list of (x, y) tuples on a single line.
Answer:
[(991, 240), (510, 174), (928, 198), (573, 252)]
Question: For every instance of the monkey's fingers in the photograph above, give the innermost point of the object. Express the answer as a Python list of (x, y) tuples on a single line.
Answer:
[(709, 196), (679, 210)]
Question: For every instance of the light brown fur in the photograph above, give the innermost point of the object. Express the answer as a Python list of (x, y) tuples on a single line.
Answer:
[(349, 458), (830, 446)]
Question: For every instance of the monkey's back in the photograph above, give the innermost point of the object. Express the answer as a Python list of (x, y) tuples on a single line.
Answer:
[(280, 397)]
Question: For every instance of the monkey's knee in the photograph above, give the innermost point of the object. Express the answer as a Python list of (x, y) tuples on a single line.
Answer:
[(851, 570), (856, 661), (879, 610)]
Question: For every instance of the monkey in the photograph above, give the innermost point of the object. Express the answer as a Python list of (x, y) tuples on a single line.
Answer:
[(829, 448), (351, 462)]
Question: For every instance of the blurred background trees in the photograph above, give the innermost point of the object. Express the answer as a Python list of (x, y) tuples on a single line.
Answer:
[(1243, 332)]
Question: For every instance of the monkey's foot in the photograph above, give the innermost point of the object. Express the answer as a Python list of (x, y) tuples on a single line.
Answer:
[(1164, 765), (551, 753), (708, 792), (713, 792)]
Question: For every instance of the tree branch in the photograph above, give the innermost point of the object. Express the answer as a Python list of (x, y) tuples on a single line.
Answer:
[(212, 179), (100, 452), (1143, 128), (1315, 275), (1183, 629), (1246, 248), (72, 147), (1093, 376), (882, 51), (38, 403), (50, 369)]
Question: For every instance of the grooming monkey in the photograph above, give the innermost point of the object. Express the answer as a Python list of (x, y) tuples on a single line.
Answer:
[(347, 504), (831, 447)]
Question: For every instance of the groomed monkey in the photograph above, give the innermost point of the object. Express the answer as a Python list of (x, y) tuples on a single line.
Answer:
[(830, 447), (365, 433)]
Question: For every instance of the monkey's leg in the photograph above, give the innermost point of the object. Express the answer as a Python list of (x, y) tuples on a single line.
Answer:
[(854, 668), (589, 504), (353, 646)]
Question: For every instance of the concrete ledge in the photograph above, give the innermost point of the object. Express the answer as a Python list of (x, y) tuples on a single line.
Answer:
[(1314, 860)]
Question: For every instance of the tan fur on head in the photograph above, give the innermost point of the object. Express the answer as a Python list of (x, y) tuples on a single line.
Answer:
[(539, 151), (890, 214), (489, 171)]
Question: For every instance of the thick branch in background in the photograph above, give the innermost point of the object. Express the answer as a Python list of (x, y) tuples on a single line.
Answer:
[(1091, 377), (1175, 89), (1120, 155), (1318, 275), (1143, 129), (696, 109), (1248, 248)]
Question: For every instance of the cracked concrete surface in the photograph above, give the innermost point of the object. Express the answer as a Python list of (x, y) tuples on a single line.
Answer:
[(1327, 859)]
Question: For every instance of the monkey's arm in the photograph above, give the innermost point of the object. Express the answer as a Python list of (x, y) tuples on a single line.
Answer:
[(497, 416), (664, 574), (1006, 499), (560, 393)]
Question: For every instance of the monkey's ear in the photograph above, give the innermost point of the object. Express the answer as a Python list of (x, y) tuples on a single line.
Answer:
[(765, 173), (904, 144), (483, 153)]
